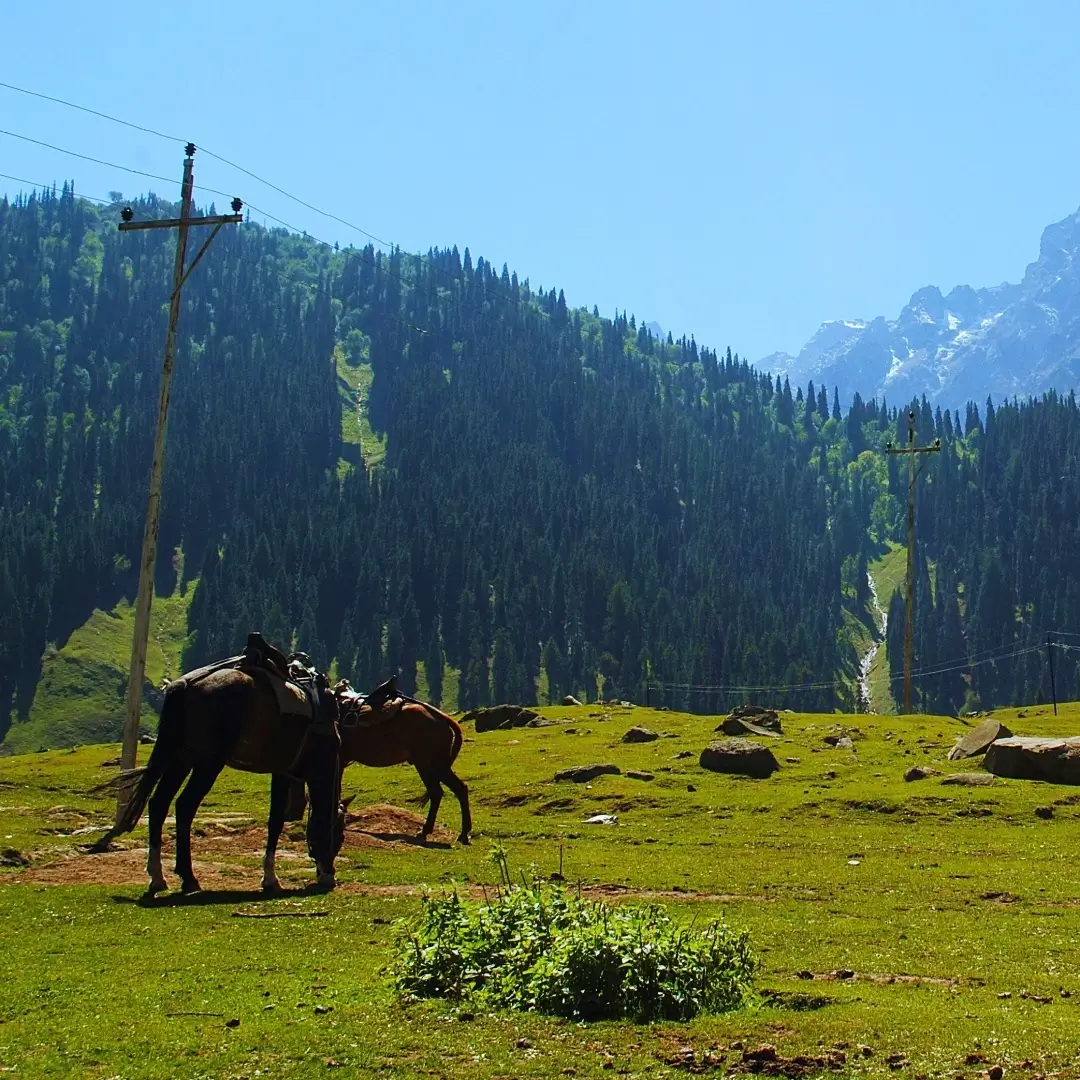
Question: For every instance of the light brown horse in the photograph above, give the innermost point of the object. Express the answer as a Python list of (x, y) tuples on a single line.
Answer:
[(231, 717), (389, 728)]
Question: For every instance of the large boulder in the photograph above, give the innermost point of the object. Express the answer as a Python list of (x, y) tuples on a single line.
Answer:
[(500, 717), (1054, 760), (739, 756), (978, 739), (640, 734), (570, 700), (581, 774)]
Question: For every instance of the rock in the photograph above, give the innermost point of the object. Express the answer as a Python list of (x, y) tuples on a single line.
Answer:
[(735, 725), (582, 774), (13, 858), (499, 717), (978, 739), (233, 1023), (968, 779), (1044, 812), (920, 772), (543, 721), (570, 700), (739, 756), (1054, 760), (684, 754), (570, 731), (690, 787), (602, 819), (524, 1044), (841, 742), (636, 774), (640, 734), (758, 715), (793, 760)]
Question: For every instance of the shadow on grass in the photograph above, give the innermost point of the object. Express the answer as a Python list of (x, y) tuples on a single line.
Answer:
[(211, 897), (410, 838)]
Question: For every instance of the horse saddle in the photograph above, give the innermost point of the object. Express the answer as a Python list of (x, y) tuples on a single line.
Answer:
[(368, 710)]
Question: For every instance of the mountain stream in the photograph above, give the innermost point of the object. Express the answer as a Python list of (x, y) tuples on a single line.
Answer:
[(867, 661)]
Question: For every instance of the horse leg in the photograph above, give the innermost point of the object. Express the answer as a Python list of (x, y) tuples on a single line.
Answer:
[(279, 795), (434, 796), (324, 790), (164, 793), (202, 780), (461, 790)]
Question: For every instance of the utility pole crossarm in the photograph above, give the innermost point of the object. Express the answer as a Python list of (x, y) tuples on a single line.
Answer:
[(911, 450), (178, 223), (150, 535)]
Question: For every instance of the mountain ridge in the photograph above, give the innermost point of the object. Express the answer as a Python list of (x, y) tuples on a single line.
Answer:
[(1002, 341)]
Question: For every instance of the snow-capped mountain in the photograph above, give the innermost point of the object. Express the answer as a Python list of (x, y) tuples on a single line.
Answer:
[(1002, 341)]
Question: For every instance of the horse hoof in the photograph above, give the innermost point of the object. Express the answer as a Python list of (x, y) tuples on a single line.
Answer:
[(190, 887), (325, 883), (271, 885), (464, 839), (154, 888)]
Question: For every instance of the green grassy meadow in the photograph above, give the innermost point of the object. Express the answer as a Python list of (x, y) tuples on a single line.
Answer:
[(80, 696), (940, 923)]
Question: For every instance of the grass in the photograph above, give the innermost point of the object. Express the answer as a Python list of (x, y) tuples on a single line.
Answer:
[(80, 696), (357, 434), (960, 896)]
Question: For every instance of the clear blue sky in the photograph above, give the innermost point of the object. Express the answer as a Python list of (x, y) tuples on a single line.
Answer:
[(738, 171)]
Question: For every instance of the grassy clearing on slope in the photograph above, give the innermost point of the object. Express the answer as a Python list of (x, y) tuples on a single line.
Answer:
[(357, 434), (940, 899), (889, 574), (80, 697)]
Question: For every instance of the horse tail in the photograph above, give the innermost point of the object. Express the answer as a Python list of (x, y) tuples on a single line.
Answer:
[(141, 782)]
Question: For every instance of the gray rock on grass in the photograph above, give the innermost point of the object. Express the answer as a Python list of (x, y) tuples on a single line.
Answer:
[(1056, 761), (979, 739), (582, 774), (640, 735), (740, 757)]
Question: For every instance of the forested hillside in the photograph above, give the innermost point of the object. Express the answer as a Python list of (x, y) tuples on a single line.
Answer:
[(425, 465)]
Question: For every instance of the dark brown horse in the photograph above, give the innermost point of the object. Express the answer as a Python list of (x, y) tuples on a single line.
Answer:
[(392, 730), (231, 717)]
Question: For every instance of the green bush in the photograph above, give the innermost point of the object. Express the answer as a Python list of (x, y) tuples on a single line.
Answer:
[(544, 948)]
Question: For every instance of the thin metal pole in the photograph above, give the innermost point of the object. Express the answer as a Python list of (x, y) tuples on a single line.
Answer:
[(153, 502), (910, 563), (1050, 657)]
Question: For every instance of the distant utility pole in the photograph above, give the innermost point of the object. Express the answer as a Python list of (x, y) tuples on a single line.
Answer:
[(150, 535), (911, 450)]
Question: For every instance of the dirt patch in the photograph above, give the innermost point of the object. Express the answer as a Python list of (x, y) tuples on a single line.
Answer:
[(884, 979), (227, 852), (382, 825)]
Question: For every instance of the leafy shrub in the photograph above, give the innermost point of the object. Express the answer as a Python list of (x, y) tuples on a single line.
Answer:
[(546, 949)]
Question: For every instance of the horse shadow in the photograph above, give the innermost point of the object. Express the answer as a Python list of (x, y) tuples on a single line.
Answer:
[(210, 897), (409, 838)]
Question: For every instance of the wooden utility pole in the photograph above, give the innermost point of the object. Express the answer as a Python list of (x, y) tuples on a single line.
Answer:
[(153, 504), (911, 450)]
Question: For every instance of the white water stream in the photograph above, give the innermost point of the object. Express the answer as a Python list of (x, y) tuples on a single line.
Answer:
[(864, 665)]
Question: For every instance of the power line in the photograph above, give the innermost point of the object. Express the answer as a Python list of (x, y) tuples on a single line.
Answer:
[(92, 112), (48, 187), (232, 164), (87, 157), (224, 160)]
